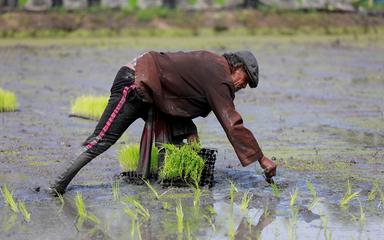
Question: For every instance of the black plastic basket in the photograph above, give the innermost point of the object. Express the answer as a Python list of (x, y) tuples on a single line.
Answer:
[(207, 175)]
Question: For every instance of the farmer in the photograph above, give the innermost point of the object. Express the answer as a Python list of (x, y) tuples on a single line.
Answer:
[(181, 86)]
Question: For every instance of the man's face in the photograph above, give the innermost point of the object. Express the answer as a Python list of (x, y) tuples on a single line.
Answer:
[(239, 78)]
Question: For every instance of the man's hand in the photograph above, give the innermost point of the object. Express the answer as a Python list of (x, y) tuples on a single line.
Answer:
[(269, 168)]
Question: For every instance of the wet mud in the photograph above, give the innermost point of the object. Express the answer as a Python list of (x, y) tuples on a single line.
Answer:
[(318, 111)]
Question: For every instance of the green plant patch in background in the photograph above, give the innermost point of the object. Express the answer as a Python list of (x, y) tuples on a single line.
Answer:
[(129, 156), (91, 107), (7, 101), (182, 163)]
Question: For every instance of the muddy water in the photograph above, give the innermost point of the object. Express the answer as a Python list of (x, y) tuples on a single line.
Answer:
[(318, 111)]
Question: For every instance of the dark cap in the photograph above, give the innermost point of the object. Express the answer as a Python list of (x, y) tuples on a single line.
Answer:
[(250, 65)]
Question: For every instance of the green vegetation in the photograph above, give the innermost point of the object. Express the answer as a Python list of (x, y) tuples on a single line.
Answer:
[(232, 192), (196, 196), (293, 197), (89, 107), (8, 198), (7, 101), (24, 211), (61, 199), (315, 199), (116, 190), (139, 208), (129, 156), (362, 214), (82, 211), (275, 190), (157, 195), (348, 196), (180, 219), (182, 163), (245, 200), (374, 191)]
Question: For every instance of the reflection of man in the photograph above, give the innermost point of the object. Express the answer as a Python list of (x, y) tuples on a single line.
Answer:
[(182, 85)]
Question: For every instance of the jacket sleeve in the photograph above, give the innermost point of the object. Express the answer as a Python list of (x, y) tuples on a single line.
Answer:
[(242, 139)]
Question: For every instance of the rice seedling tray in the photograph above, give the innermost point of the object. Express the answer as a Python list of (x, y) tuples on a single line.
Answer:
[(207, 175)]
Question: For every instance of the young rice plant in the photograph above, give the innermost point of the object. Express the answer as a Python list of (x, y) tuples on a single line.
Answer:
[(182, 163), (348, 196), (8, 198), (24, 211), (91, 107), (129, 156), (7, 101)]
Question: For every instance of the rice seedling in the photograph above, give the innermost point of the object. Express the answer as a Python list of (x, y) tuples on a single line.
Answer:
[(188, 232), (140, 209), (311, 189), (24, 211), (245, 200), (129, 156), (211, 210), (292, 222), (348, 196), (209, 220), (82, 211), (362, 214), (232, 192), (7, 101), (180, 218), (293, 198), (182, 163), (115, 190), (8, 198), (374, 191), (80, 205), (315, 199), (196, 196), (9, 223), (166, 205), (61, 199), (275, 190), (91, 107), (133, 215), (157, 195), (324, 222)]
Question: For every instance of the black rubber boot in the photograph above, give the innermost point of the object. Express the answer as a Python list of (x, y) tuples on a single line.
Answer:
[(70, 172)]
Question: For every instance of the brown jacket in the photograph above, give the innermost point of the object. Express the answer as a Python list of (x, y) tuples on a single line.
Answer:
[(191, 84)]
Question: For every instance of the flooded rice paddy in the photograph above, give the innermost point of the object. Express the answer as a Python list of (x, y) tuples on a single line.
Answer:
[(318, 111)]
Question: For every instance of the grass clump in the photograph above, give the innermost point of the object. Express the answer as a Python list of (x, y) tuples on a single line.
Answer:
[(7, 101), (129, 156), (91, 107), (182, 163), (348, 196), (8, 198)]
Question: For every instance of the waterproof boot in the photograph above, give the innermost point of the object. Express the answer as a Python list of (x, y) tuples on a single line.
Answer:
[(70, 172)]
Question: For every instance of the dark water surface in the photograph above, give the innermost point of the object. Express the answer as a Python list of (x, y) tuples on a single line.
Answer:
[(318, 110)]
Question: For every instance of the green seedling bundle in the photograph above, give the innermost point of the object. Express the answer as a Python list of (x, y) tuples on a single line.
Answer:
[(7, 101), (182, 163), (90, 107), (129, 156)]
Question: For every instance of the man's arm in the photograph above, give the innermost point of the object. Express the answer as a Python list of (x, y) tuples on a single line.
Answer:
[(242, 140)]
